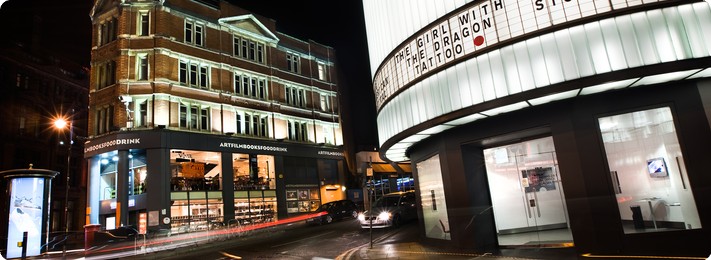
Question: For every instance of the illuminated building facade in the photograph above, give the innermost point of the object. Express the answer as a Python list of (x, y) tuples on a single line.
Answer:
[(580, 122), (202, 114)]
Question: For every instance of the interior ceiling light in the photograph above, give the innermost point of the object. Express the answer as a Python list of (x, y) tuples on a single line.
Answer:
[(466, 120), (659, 78), (505, 109), (607, 86), (702, 74), (554, 97)]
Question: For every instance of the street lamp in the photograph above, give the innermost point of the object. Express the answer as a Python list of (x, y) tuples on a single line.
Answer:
[(61, 123)]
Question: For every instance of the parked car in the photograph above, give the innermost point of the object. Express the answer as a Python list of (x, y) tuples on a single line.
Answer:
[(334, 210), (391, 210)]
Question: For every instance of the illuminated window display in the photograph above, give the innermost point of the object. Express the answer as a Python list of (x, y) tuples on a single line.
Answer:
[(252, 171), (255, 206), (434, 203), (648, 170), (526, 191), (194, 211), (137, 174), (195, 170)]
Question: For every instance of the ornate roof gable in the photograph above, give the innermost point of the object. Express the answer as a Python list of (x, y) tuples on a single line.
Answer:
[(248, 25)]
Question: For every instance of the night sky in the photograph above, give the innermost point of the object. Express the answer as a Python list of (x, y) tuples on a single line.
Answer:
[(65, 27)]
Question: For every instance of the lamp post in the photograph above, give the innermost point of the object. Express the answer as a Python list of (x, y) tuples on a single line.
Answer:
[(61, 123)]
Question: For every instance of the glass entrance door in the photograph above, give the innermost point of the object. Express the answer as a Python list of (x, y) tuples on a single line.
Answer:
[(527, 195)]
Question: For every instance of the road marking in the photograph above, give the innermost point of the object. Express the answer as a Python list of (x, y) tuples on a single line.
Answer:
[(230, 255), (308, 238)]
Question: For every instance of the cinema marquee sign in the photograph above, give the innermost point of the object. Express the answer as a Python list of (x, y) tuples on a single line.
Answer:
[(477, 27)]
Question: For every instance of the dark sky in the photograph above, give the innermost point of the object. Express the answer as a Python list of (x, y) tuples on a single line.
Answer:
[(338, 24), (66, 28)]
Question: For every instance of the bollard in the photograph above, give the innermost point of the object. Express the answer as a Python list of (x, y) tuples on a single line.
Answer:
[(89, 231), (24, 245)]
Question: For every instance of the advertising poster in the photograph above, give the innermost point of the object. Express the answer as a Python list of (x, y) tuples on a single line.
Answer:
[(26, 201), (291, 195), (303, 194), (314, 194), (292, 207)]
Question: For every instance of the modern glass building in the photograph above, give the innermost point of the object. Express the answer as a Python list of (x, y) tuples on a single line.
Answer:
[(201, 114), (569, 123)]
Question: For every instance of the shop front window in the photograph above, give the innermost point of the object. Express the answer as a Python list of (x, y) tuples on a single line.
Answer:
[(434, 205), (195, 170), (195, 211), (253, 172), (647, 172), (137, 172), (107, 173), (256, 206)]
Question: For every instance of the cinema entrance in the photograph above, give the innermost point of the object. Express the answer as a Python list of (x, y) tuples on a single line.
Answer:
[(527, 196)]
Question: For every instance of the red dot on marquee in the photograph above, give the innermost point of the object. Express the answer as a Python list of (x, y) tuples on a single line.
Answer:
[(479, 40)]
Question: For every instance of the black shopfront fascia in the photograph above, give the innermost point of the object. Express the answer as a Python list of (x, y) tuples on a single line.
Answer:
[(158, 144), (590, 198)]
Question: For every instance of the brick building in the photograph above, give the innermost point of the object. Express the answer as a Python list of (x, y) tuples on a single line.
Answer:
[(202, 113)]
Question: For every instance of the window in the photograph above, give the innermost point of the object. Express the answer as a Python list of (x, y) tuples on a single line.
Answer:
[(193, 75), (235, 46), (260, 53), (104, 119), (22, 80), (433, 198), (292, 62), (253, 124), (321, 71), (142, 67), (248, 49), (239, 123), (142, 118), (250, 85), (203, 77), (194, 33), (144, 24), (243, 54), (647, 172), (252, 50), (295, 96), (108, 31), (262, 89), (298, 131), (106, 74), (194, 117), (325, 104)]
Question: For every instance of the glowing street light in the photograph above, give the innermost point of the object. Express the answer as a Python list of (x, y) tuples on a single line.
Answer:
[(62, 123)]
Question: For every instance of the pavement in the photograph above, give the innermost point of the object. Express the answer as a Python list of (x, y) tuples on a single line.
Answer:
[(386, 247), (416, 250)]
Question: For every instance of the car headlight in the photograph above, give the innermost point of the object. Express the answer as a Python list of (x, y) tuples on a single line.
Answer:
[(384, 215), (361, 217)]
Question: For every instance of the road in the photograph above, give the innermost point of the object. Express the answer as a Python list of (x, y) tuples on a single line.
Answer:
[(297, 241)]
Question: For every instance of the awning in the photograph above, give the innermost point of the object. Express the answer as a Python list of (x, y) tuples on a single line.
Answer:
[(383, 168)]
